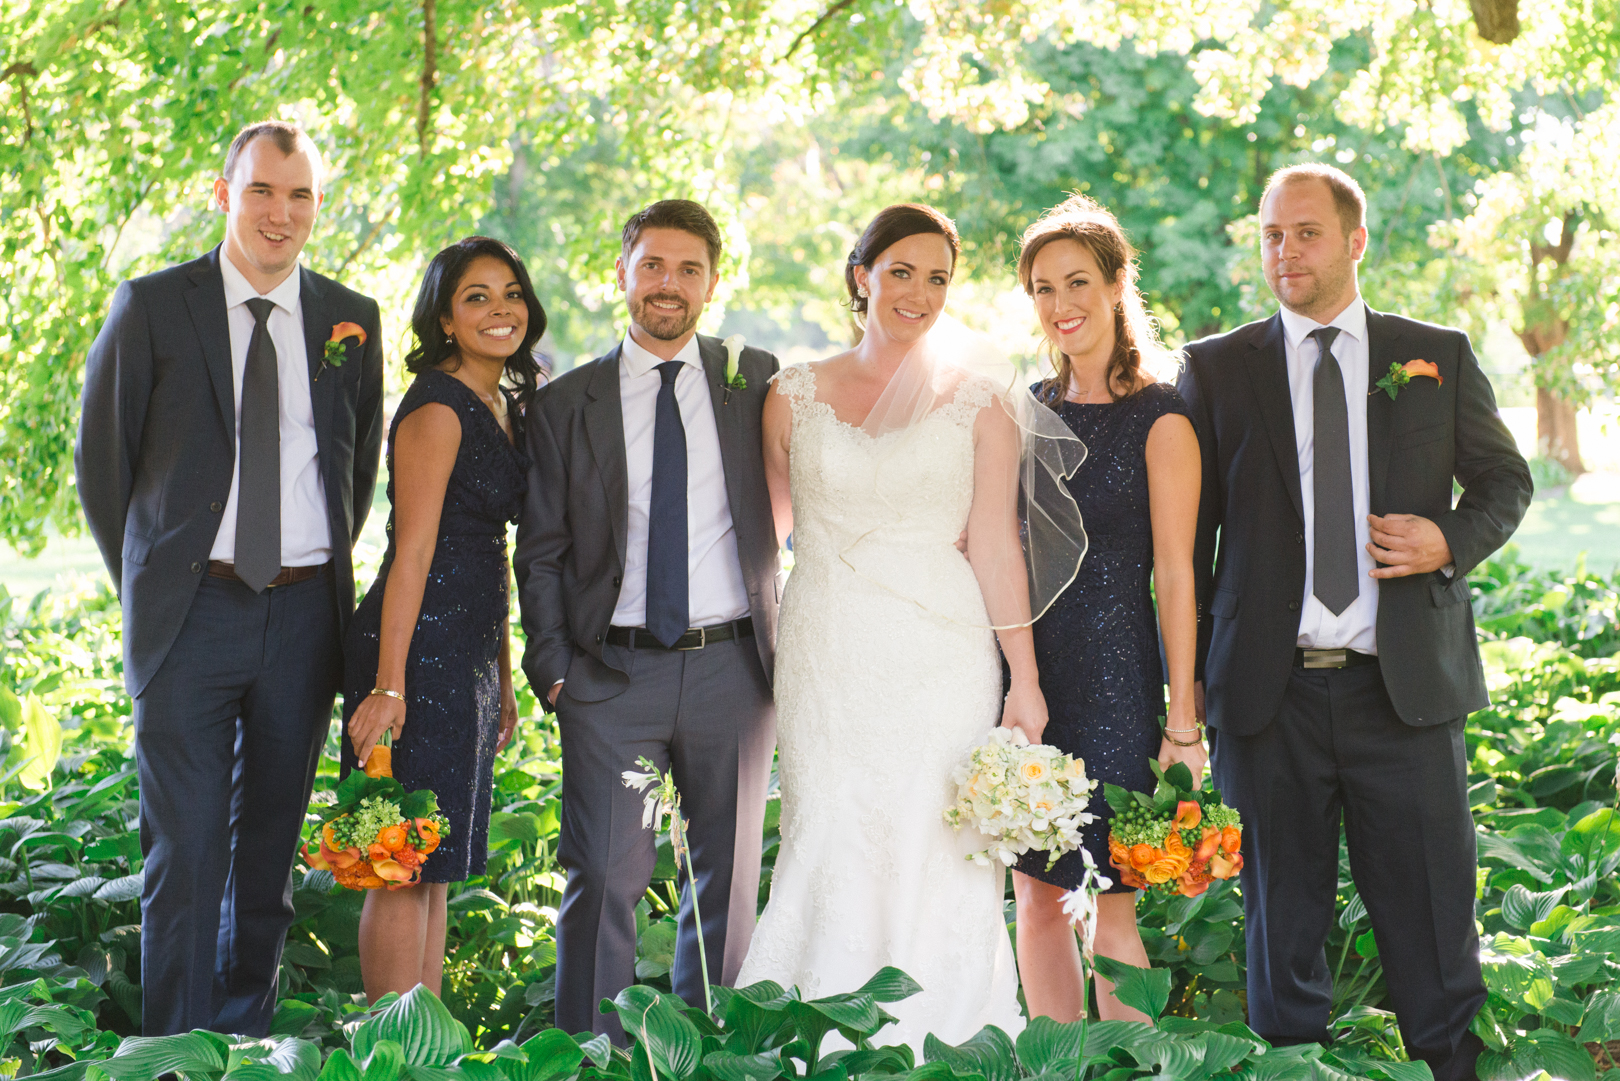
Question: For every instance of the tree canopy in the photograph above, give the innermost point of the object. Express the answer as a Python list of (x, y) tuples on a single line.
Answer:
[(793, 120)]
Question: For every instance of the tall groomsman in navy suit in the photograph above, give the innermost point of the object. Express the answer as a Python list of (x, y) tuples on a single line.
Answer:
[(1337, 655), (226, 464)]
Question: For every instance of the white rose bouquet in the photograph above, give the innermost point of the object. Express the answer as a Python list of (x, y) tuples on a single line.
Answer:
[(1021, 796)]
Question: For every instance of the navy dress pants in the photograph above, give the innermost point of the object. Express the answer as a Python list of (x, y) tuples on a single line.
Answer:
[(1338, 752), (227, 737)]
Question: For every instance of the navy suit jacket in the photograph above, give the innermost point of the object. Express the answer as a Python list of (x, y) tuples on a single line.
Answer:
[(157, 440), (1249, 557)]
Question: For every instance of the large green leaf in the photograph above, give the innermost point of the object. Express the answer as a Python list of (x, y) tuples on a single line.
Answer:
[(551, 1056), (879, 1060), (1047, 1045), (989, 1053), (726, 1066), (1526, 982), (1521, 908), (1401, 1071), (340, 1066), (749, 1026), (385, 1061), (426, 1032), (673, 1041), (141, 1058), (1145, 989), (39, 747), (890, 985), (853, 1011), (1602, 1021), (1222, 1052)]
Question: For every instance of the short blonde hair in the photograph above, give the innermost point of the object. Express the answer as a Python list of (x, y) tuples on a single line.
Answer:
[(1348, 198)]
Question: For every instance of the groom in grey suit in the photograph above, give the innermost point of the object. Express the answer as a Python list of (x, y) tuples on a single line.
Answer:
[(649, 580)]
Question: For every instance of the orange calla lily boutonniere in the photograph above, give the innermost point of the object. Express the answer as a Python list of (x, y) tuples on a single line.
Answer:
[(335, 352), (1401, 374)]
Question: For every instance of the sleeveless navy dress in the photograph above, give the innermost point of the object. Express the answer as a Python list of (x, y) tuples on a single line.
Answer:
[(1097, 647), (452, 673)]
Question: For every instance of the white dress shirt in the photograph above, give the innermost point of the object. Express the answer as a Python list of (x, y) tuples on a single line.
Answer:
[(716, 591), (1357, 626), (306, 533)]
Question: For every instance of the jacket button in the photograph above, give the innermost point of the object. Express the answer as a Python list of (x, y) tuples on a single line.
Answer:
[(196, 568), (1293, 606), (617, 581), (599, 639), (216, 506), (1299, 538)]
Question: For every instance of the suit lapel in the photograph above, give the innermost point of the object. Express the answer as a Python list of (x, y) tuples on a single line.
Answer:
[(206, 302), (1268, 374), (1381, 338), (318, 322), (604, 428), (727, 419)]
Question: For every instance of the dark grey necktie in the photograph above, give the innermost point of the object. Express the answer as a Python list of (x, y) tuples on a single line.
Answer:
[(1334, 580), (668, 607), (258, 492)]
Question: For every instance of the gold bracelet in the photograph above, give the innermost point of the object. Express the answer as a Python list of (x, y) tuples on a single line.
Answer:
[(1183, 743), (389, 693)]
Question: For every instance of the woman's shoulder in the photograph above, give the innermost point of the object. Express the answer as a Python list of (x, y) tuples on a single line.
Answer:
[(434, 387), (795, 381), (1158, 399)]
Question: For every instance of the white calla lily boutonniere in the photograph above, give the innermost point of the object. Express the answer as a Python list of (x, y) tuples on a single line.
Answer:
[(734, 378)]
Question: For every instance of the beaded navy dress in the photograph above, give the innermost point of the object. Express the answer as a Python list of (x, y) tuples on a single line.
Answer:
[(1097, 647), (452, 673)]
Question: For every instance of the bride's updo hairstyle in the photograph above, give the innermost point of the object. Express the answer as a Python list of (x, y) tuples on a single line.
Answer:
[(892, 225), (1136, 333)]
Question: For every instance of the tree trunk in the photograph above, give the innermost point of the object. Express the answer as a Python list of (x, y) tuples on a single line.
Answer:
[(1556, 437), (1496, 20)]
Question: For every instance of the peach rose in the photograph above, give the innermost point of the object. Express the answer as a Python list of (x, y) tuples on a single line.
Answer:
[(1232, 840), (1165, 868), (1175, 846), (1033, 771)]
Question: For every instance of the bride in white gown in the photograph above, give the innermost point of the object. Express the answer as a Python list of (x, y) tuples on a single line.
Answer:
[(887, 669)]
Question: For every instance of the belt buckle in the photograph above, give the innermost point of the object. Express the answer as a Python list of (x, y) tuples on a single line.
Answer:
[(703, 640), (1326, 658)]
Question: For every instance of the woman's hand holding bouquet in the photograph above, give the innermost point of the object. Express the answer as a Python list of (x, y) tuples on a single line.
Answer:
[(377, 834), (1178, 840), (1021, 795)]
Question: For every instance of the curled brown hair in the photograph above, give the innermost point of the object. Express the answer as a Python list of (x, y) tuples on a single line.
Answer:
[(891, 225), (1083, 219)]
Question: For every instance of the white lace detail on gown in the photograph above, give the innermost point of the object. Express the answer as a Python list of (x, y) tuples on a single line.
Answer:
[(876, 701)]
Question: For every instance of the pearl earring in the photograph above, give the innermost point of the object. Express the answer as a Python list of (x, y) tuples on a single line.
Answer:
[(860, 291)]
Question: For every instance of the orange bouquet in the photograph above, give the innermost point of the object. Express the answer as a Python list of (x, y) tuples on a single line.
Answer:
[(377, 834), (1178, 840)]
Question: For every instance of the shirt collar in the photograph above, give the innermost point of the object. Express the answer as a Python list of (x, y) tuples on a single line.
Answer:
[(238, 291), (1351, 321), (638, 361)]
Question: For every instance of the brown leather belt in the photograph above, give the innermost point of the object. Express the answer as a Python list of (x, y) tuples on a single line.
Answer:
[(1331, 658), (218, 568), (696, 638)]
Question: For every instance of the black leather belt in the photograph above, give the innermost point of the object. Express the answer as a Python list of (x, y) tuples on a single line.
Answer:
[(1331, 658), (696, 638)]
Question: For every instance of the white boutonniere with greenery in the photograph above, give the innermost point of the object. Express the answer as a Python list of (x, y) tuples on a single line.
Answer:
[(734, 378)]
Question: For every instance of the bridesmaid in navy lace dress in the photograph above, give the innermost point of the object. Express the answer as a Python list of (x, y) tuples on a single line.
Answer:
[(1098, 646), (428, 655)]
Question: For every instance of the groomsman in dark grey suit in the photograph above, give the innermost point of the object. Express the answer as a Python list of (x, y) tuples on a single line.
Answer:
[(1337, 655), (647, 564), (225, 462)]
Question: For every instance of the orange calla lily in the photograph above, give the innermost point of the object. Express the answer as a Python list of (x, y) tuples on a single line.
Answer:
[(316, 859), (391, 871), (347, 330), (1208, 845), (1192, 886), (1411, 368), (1188, 815), (1221, 867)]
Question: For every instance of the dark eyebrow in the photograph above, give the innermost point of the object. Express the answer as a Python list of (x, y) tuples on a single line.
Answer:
[(1297, 224)]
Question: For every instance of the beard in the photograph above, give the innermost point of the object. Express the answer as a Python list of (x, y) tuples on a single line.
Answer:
[(1324, 286), (665, 326)]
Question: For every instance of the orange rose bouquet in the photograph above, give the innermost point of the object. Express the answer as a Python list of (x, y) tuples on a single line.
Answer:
[(1177, 840), (377, 834)]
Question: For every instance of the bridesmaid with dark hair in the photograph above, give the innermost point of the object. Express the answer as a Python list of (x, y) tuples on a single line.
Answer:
[(428, 655), (1097, 648)]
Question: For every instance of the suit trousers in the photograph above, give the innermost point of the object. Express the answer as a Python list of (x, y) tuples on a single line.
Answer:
[(707, 715), (227, 736), (1338, 751)]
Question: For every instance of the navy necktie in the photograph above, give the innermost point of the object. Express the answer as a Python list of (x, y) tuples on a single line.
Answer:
[(668, 609), (258, 455), (1334, 580)]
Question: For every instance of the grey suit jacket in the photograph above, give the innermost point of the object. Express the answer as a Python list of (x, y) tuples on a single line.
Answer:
[(570, 553), (157, 440), (1249, 557)]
